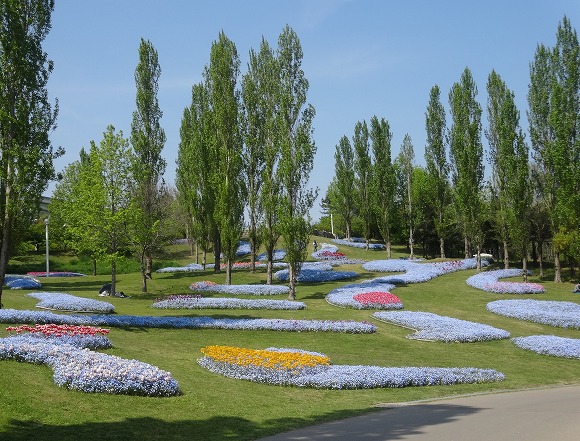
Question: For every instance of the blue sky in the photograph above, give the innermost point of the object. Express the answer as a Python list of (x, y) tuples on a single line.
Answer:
[(361, 57)]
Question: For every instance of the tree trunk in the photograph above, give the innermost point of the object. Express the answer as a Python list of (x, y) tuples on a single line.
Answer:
[(269, 265), (217, 255), (292, 283), (389, 249), (94, 266), (540, 259), (478, 258), (143, 275), (466, 247), (525, 267), (253, 256), (506, 258), (557, 268), (148, 266), (228, 272), (442, 247)]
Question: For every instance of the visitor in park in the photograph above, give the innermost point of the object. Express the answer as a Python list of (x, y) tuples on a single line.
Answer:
[(576, 289), (315, 246)]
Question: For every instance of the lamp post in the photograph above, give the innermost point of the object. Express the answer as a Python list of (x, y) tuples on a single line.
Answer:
[(46, 231)]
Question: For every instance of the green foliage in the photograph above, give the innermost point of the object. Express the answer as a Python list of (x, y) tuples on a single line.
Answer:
[(343, 202)]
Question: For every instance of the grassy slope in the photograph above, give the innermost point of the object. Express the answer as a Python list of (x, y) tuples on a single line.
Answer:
[(213, 407)]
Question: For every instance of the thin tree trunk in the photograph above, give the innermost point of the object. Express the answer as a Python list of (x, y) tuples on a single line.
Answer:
[(525, 268), (557, 268), (466, 247), (228, 272), (506, 257), (94, 266), (143, 275), (442, 247), (540, 259), (292, 283), (269, 265)]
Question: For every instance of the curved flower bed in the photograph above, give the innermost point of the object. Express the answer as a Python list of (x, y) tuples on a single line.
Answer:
[(277, 255), (66, 302), (76, 367), (309, 275), (359, 244), (417, 272), (346, 326), (545, 312), (192, 267), (489, 281), (550, 345), (435, 327), (13, 281), (366, 295), (53, 274), (299, 368), (80, 336), (197, 302), (257, 290)]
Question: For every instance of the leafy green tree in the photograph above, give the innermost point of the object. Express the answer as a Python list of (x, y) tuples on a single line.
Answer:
[(406, 160), (554, 109), (383, 180), (26, 119), (363, 176), (297, 154), (147, 139), (344, 179), (437, 165), (221, 77), (466, 152)]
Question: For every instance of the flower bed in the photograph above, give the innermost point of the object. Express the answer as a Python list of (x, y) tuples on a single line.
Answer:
[(277, 255), (66, 302), (53, 274), (256, 290), (81, 369), (192, 267), (300, 368), (417, 272), (365, 295), (435, 327), (13, 281), (310, 275), (197, 302), (80, 336), (359, 244), (546, 312), (488, 281), (550, 345), (346, 326)]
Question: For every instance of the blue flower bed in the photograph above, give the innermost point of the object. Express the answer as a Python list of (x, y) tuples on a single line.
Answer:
[(489, 281), (346, 326), (546, 312), (189, 302), (359, 243), (66, 302), (192, 267), (277, 255), (417, 272), (344, 296), (88, 371), (21, 282), (550, 345), (353, 377), (435, 327), (310, 275), (256, 290), (243, 248)]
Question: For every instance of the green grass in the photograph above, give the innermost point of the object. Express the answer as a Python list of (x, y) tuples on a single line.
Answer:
[(213, 407)]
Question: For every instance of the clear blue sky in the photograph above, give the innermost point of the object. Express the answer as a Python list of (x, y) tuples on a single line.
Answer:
[(361, 57)]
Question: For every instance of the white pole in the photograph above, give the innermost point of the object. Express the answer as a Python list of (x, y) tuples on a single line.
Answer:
[(46, 228)]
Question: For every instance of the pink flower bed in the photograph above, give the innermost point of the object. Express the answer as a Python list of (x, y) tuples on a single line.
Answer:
[(376, 298)]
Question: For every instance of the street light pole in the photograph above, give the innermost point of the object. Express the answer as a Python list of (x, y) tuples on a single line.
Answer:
[(46, 231)]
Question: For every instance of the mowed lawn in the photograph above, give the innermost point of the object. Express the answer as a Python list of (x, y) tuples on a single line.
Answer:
[(213, 407)]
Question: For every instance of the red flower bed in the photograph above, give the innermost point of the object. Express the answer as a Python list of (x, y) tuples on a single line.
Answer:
[(58, 330), (376, 298)]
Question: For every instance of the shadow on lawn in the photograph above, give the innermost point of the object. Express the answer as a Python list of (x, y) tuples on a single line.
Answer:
[(395, 423)]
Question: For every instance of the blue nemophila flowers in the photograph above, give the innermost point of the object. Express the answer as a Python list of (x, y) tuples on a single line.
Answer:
[(197, 302), (347, 326), (315, 272), (489, 281), (356, 295), (67, 302), (13, 281), (88, 371), (550, 345), (321, 375), (546, 312), (277, 255), (359, 243), (257, 290), (431, 326)]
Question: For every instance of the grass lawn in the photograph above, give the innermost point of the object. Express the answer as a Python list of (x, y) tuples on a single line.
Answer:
[(213, 407)]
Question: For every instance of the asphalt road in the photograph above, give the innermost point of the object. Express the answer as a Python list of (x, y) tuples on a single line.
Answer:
[(548, 414)]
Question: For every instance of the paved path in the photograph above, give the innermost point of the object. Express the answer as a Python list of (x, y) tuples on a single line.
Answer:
[(551, 414)]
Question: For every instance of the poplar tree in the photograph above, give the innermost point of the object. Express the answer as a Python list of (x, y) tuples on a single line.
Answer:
[(147, 139), (26, 119), (406, 160), (363, 177), (344, 178)]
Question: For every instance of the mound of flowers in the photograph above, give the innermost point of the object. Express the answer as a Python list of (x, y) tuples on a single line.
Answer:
[(277, 255), (13, 281), (550, 345), (545, 312), (417, 272), (182, 269), (293, 367), (125, 321), (489, 281), (315, 272), (54, 274), (359, 243), (66, 302), (329, 253), (79, 368), (198, 302), (366, 295), (435, 327), (256, 290), (88, 337)]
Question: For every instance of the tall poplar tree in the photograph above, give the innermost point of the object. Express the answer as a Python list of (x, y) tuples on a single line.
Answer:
[(437, 165), (344, 178), (297, 150), (26, 119), (384, 179), (363, 177), (467, 160), (147, 139), (406, 160)]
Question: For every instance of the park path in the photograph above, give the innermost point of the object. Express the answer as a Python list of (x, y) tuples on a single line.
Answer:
[(547, 414)]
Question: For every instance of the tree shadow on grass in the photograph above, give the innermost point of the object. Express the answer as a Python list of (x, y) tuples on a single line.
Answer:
[(379, 424)]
